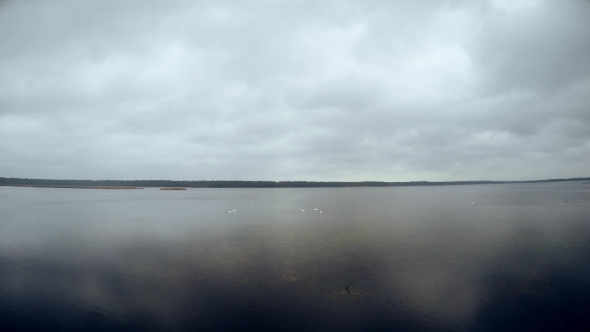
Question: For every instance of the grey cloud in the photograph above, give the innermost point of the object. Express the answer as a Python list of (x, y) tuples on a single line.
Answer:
[(544, 47), (377, 90)]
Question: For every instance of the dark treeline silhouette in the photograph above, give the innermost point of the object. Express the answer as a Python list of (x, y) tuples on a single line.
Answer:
[(243, 184)]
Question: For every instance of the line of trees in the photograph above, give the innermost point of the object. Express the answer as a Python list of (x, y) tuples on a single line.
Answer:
[(245, 184)]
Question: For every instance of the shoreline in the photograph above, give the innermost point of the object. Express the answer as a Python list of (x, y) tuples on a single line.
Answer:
[(174, 185), (68, 187)]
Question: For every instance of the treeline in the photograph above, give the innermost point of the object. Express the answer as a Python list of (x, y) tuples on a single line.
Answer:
[(244, 184)]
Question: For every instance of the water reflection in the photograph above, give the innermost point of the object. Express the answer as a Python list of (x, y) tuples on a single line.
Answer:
[(419, 259)]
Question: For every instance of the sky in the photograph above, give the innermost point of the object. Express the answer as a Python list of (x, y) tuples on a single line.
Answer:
[(333, 90)]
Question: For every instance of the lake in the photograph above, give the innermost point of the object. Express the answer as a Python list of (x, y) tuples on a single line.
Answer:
[(511, 257)]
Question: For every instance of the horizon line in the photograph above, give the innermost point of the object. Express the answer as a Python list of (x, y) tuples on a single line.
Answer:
[(3, 179)]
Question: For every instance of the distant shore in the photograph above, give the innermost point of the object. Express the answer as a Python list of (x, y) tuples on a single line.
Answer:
[(139, 184), (69, 187)]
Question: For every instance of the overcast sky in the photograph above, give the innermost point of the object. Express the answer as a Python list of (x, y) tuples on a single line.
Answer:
[(295, 90)]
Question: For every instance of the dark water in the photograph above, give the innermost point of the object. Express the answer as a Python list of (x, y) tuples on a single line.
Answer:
[(419, 259)]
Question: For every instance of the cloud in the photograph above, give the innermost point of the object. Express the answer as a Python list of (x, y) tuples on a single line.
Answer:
[(435, 90)]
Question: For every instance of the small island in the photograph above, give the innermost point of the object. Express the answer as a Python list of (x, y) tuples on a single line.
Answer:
[(173, 188)]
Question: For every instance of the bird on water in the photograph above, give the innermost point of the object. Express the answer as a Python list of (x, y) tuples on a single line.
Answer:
[(347, 288)]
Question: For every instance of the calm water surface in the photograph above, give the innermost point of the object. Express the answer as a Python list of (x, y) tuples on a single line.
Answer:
[(419, 259)]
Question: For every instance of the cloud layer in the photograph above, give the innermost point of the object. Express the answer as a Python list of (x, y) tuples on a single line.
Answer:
[(295, 90)]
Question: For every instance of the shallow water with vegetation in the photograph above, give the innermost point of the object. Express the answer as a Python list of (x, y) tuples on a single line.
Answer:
[(509, 257)]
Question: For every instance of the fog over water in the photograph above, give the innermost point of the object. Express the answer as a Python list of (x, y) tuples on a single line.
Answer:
[(419, 259)]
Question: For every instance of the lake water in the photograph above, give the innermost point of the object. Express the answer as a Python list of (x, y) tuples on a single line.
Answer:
[(416, 259)]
